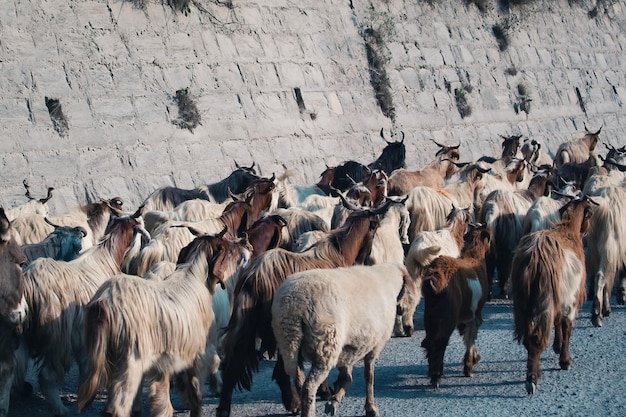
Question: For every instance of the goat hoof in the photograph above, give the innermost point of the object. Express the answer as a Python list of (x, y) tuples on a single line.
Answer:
[(371, 413), (331, 407), (467, 372), (531, 387), (565, 365), (596, 320)]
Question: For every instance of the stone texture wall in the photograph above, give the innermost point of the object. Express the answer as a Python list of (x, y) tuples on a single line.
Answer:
[(286, 84)]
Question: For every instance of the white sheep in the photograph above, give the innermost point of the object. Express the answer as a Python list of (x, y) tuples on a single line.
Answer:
[(336, 317)]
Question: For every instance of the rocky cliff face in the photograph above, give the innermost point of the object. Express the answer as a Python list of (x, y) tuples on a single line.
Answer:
[(116, 98)]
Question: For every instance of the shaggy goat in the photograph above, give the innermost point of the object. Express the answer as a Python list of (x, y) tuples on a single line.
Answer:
[(431, 244), (256, 285), (606, 251), (135, 326), (32, 206), (93, 217), (336, 317), (503, 212), (578, 150), (13, 307), (455, 291), (64, 244), (166, 198), (434, 175), (56, 293), (548, 286)]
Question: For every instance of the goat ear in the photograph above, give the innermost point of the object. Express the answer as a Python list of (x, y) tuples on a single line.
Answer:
[(216, 269)]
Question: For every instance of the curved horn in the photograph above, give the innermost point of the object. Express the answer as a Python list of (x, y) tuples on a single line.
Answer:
[(191, 229), (382, 208), (588, 198), (82, 230), (402, 140), (592, 133), (221, 234), (139, 212), (439, 144), (48, 197), (610, 147), (348, 204), (237, 165), (557, 192), (27, 194), (456, 147), (482, 170), (47, 220), (382, 135)]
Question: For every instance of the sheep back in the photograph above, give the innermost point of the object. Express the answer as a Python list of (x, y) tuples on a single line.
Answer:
[(318, 312)]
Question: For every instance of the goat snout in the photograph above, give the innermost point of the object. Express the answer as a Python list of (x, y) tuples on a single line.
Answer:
[(18, 315)]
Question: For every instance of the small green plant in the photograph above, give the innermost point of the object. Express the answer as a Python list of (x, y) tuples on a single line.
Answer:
[(523, 100), (59, 122), (188, 114), (378, 28), (502, 31), (460, 95)]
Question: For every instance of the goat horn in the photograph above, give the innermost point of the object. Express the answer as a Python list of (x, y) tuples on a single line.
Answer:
[(610, 147), (139, 212), (382, 135), (47, 220), (439, 144), (30, 197), (221, 234), (48, 197), (237, 165), (557, 192), (482, 170), (402, 140), (592, 133), (82, 230), (346, 203), (191, 229), (588, 198)]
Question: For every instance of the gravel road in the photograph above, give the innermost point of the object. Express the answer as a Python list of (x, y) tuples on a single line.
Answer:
[(596, 384)]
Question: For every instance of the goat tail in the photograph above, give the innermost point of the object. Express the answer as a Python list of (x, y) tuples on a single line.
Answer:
[(241, 359), (96, 329), (534, 299)]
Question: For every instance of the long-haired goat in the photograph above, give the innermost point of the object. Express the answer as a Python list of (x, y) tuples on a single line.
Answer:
[(434, 175), (135, 326), (13, 307), (32, 206), (548, 286), (256, 285), (93, 217), (166, 198), (455, 291), (606, 251), (64, 244), (56, 293), (336, 317), (429, 208), (430, 244), (503, 211), (578, 150)]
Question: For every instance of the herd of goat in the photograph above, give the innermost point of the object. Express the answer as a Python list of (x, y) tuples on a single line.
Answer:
[(197, 286)]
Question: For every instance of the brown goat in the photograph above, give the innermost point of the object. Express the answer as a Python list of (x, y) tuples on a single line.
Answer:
[(455, 291), (401, 181), (548, 286)]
